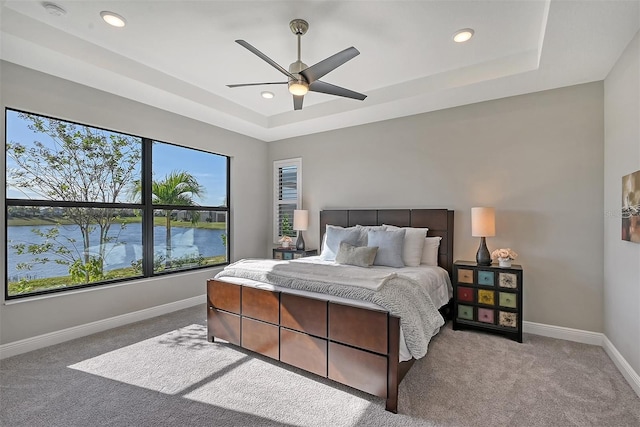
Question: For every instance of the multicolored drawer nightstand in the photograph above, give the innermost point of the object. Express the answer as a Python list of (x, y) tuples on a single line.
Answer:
[(292, 253), (488, 298)]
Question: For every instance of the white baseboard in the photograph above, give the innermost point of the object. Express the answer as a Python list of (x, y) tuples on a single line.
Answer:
[(57, 337), (569, 334), (623, 366)]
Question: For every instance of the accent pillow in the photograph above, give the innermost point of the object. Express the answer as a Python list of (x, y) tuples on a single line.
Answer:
[(334, 236), (413, 244), (389, 245), (430, 251), (364, 231), (361, 256)]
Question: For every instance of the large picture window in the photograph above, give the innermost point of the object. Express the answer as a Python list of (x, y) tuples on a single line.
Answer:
[(87, 206)]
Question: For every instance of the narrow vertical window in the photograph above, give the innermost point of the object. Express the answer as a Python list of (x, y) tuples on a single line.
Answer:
[(287, 195)]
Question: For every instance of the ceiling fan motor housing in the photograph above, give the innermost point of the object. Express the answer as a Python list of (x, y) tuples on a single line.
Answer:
[(295, 84)]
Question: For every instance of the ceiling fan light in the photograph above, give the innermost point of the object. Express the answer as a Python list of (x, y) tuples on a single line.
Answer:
[(463, 35), (298, 88)]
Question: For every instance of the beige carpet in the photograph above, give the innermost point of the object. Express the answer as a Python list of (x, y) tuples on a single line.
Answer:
[(163, 372)]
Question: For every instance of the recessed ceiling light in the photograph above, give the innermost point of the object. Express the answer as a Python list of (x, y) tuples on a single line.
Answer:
[(463, 35), (53, 9), (113, 19), (267, 94)]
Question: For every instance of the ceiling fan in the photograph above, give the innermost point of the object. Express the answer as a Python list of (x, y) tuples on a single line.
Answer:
[(302, 78)]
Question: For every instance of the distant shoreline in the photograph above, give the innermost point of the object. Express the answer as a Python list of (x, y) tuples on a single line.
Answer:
[(158, 221)]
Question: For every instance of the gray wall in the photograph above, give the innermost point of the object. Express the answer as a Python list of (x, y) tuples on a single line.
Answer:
[(536, 158), (35, 92), (622, 157)]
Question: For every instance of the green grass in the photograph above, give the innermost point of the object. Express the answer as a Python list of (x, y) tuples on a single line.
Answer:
[(37, 221), (47, 283), (157, 221)]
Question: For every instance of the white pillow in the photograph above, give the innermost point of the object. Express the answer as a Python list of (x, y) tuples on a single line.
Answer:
[(430, 251), (414, 240)]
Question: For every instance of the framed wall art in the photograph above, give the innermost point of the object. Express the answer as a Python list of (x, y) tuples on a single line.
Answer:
[(631, 207)]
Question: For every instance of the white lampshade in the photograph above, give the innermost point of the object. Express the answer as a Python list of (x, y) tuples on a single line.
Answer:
[(300, 220), (483, 222)]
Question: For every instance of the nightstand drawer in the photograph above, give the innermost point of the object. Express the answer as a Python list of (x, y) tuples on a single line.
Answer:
[(485, 278), (507, 299), (465, 312), (465, 276), (466, 294), (486, 297), (509, 319), (508, 280), (486, 315)]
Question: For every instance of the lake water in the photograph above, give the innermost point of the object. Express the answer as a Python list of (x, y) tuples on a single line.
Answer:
[(125, 248)]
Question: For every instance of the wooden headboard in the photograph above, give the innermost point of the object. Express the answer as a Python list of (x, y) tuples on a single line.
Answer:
[(439, 222)]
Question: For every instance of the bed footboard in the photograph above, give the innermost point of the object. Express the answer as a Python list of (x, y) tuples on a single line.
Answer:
[(352, 345)]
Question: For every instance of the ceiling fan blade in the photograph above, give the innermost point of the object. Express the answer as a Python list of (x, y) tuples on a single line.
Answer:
[(265, 58), (325, 66), (257, 84), (323, 87), (297, 102)]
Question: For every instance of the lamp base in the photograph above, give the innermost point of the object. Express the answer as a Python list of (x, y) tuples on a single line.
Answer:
[(300, 242), (483, 257)]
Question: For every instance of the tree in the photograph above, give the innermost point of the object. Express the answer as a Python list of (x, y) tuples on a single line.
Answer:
[(287, 229), (80, 164), (177, 188)]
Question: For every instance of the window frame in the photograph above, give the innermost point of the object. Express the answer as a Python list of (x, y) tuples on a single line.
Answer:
[(146, 206), (277, 165)]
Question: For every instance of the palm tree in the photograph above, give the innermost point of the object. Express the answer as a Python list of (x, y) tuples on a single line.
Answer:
[(177, 188)]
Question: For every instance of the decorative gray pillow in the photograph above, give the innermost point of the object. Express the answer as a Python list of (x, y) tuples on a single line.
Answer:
[(362, 256), (334, 236), (390, 244), (413, 244)]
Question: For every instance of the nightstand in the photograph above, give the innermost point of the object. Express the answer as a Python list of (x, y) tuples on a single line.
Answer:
[(292, 253), (488, 298)]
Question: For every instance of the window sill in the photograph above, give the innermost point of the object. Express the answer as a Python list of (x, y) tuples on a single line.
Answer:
[(26, 299)]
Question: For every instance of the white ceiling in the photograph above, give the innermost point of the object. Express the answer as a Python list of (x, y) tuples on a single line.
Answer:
[(180, 55)]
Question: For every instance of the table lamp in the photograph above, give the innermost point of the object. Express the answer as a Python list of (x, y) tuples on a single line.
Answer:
[(300, 224), (483, 224)]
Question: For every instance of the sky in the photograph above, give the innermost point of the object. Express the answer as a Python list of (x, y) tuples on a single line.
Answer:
[(209, 169)]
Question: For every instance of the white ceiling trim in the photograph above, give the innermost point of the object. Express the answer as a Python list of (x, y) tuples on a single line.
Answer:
[(565, 53)]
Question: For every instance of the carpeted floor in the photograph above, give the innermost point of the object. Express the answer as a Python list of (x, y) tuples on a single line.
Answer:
[(163, 372)]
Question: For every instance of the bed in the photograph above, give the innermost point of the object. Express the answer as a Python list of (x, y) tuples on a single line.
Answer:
[(356, 343)]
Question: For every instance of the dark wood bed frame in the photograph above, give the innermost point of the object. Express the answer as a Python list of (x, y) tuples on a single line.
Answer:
[(352, 345)]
